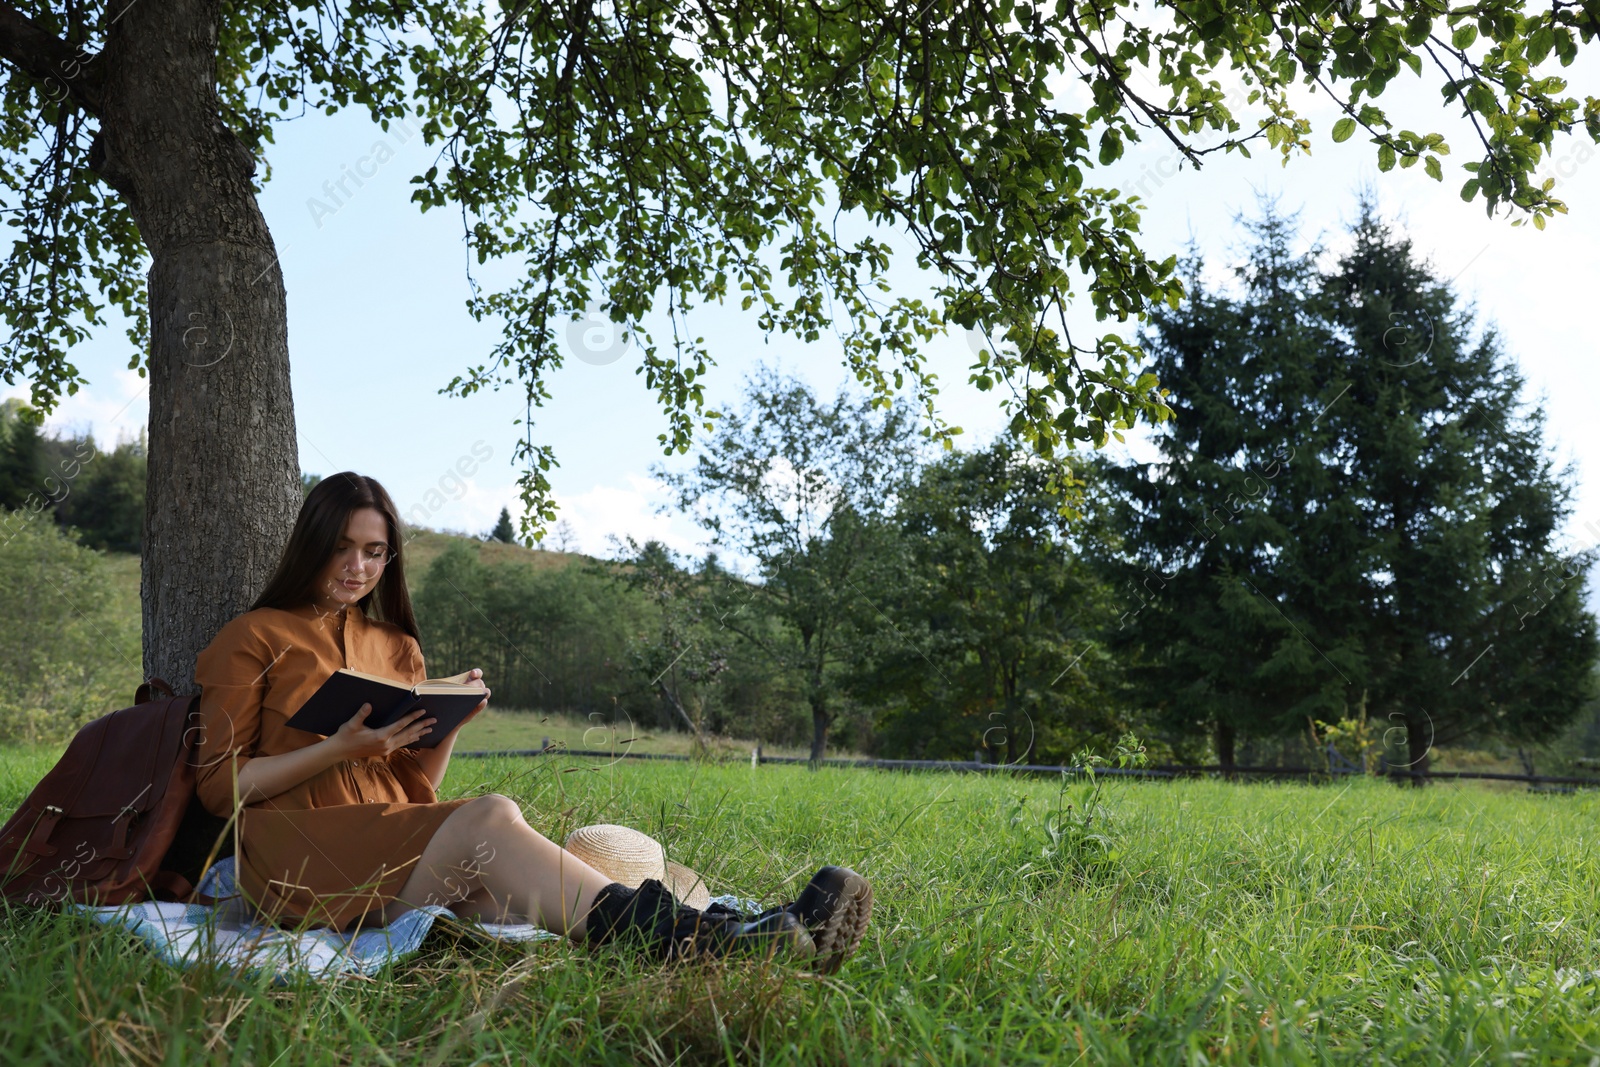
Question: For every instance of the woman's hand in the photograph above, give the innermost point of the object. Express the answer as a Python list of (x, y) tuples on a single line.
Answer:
[(472, 677), (473, 714), (433, 761), (355, 740), (263, 777), (450, 738)]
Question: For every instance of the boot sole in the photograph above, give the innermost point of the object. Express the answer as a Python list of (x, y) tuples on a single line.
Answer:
[(839, 935)]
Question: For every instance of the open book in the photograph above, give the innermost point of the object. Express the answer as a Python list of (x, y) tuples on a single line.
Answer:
[(342, 695)]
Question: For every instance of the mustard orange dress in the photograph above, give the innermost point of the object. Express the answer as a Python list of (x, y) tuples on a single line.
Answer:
[(340, 845)]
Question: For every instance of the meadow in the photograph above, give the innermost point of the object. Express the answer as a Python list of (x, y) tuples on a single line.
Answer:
[(498, 730), (1016, 921)]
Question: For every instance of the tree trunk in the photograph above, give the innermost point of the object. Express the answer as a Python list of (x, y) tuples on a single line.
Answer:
[(1226, 739), (1016, 756), (223, 486), (1419, 742), (670, 699), (820, 721)]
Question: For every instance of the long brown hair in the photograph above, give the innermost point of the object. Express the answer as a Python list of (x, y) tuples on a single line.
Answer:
[(317, 530)]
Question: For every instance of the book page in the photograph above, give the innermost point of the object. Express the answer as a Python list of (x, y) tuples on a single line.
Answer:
[(396, 683), (431, 685), (446, 687)]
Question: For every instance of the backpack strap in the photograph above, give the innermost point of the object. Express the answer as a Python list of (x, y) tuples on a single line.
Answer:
[(39, 837), (119, 849), (148, 690)]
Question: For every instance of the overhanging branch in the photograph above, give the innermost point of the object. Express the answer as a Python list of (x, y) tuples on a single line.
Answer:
[(64, 70)]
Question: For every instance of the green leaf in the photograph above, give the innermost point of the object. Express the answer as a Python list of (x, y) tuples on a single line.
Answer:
[(1539, 45), (645, 185)]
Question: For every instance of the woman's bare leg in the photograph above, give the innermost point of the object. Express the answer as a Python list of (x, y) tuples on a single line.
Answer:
[(486, 862)]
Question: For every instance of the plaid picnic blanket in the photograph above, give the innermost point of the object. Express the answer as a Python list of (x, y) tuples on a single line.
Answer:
[(227, 934)]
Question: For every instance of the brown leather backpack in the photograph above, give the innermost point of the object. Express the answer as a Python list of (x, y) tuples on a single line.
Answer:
[(106, 824)]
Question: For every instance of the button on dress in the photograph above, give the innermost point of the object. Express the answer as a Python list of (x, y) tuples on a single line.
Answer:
[(339, 846)]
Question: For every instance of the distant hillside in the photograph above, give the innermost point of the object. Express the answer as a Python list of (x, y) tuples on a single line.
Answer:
[(123, 569), (556, 635), (424, 546), (421, 550)]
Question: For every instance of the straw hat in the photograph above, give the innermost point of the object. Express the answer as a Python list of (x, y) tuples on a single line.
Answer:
[(625, 855)]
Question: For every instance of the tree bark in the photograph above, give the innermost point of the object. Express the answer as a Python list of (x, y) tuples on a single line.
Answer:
[(223, 486), (670, 700), (1226, 740), (820, 721), (1015, 756), (1419, 742)]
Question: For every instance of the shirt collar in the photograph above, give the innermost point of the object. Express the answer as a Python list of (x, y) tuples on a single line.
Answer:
[(310, 610)]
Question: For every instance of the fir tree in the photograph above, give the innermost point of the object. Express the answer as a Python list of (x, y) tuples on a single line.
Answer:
[(1201, 539), (1446, 568), (502, 528), (19, 456), (105, 502), (1354, 505)]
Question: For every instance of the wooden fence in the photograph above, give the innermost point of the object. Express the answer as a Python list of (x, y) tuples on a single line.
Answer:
[(1334, 771)]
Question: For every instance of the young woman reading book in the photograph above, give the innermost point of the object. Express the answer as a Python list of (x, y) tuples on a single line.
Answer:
[(347, 829)]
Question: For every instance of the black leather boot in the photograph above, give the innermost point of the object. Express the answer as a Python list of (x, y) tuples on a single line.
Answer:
[(670, 930), (834, 908)]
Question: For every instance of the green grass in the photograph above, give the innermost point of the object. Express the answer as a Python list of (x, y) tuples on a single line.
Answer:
[(1220, 923), (499, 730)]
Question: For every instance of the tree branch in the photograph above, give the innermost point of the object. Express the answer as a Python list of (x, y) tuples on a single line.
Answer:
[(64, 70)]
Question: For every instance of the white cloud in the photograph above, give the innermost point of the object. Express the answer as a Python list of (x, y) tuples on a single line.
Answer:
[(623, 510), (114, 408)]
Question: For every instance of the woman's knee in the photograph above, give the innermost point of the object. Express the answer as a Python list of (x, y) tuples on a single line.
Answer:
[(475, 831), (490, 810)]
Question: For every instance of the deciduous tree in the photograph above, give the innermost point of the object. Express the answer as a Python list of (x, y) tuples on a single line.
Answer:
[(990, 632), (647, 158), (675, 655), (800, 487)]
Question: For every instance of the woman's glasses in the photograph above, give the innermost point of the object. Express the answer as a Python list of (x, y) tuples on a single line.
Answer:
[(377, 554)]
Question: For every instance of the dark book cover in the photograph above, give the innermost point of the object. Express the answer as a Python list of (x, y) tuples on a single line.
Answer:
[(342, 695)]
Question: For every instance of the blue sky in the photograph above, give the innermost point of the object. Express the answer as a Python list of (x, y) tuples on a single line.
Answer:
[(377, 318)]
